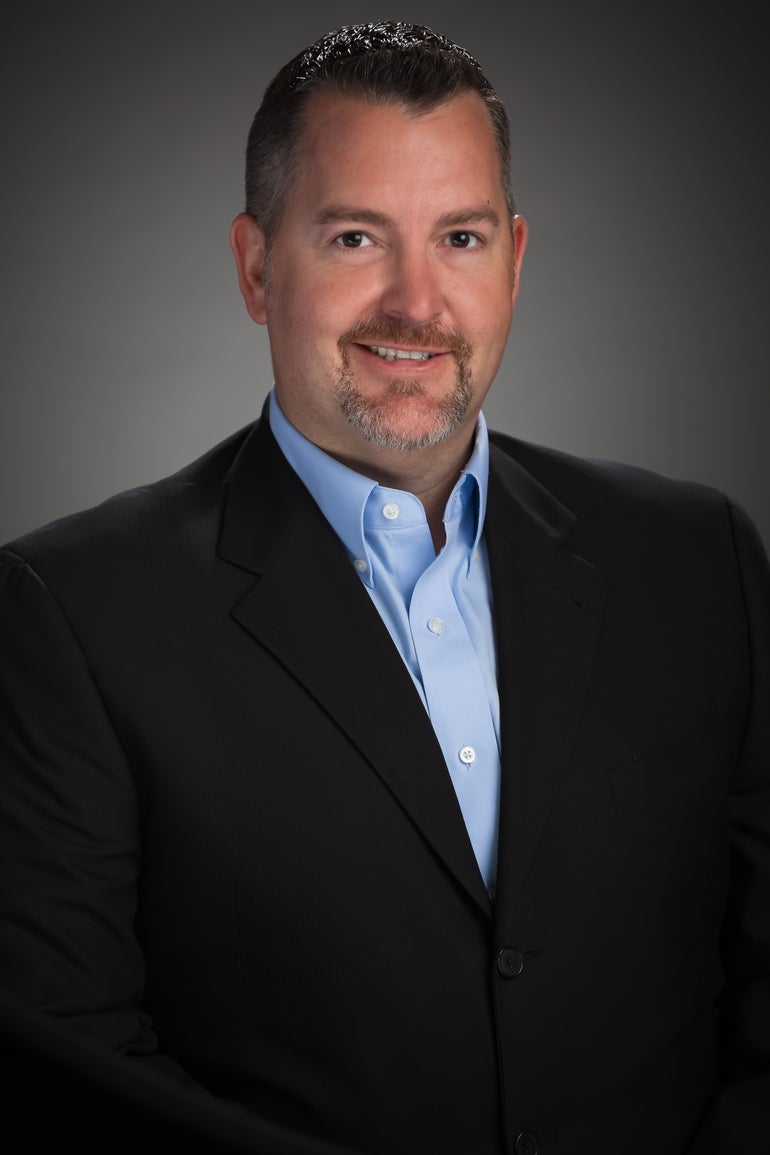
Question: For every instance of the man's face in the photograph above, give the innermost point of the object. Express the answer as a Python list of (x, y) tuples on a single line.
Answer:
[(393, 275)]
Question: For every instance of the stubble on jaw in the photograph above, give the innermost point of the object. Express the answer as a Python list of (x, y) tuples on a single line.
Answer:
[(372, 419)]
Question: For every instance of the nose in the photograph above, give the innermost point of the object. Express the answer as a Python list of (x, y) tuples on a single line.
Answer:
[(412, 291)]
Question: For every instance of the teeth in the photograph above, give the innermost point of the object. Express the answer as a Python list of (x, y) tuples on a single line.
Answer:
[(400, 354)]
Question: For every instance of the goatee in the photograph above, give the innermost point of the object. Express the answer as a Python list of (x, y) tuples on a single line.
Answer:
[(373, 419)]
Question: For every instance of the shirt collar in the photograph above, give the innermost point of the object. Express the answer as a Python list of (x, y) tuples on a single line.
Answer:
[(342, 494)]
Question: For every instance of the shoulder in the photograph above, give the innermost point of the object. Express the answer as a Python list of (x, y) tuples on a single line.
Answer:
[(162, 519), (610, 492), (634, 522)]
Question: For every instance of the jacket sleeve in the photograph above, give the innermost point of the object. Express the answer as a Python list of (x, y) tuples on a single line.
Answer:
[(69, 829), (738, 1121), (71, 969)]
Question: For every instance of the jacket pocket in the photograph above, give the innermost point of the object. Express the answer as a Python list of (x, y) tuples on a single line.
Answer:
[(692, 756)]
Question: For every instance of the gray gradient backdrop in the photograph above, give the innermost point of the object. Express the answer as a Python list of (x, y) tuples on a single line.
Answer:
[(640, 134)]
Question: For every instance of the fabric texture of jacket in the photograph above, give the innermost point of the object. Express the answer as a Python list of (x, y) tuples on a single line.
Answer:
[(230, 849)]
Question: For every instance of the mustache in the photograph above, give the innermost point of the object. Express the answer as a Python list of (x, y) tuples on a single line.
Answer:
[(390, 331)]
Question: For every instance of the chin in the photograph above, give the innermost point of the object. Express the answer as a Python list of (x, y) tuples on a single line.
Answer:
[(407, 418)]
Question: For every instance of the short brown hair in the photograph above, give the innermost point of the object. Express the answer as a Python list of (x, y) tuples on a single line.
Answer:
[(387, 62)]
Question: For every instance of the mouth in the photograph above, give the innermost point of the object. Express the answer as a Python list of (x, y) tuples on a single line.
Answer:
[(388, 354)]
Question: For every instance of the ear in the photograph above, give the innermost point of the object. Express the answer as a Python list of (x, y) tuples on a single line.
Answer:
[(248, 244), (520, 232)]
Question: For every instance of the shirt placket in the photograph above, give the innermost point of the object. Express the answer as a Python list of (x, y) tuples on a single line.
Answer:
[(458, 704)]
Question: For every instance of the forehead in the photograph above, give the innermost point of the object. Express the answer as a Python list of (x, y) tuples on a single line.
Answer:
[(382, 150)]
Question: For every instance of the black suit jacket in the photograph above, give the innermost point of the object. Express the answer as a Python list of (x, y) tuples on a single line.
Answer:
[(231, 849)]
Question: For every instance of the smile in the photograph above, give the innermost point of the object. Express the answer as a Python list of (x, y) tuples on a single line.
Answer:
[(400, 354)]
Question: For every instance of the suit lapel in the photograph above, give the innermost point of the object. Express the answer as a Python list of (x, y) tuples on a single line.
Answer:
[(548, 607), (308, 608)]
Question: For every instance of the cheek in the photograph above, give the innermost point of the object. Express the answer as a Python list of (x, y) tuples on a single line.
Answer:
[(487, 327), (318, 308), (488, 334)]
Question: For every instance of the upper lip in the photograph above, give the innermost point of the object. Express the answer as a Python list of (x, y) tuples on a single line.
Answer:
[(401, 348)]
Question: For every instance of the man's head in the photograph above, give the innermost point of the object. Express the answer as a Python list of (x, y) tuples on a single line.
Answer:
[(382, 252), (388, 62)]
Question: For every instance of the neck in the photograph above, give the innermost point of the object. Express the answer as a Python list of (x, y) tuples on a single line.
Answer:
[(420, 473)]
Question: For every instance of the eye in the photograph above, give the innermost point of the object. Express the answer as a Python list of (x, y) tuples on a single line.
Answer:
[(353, 240), (463, 240)]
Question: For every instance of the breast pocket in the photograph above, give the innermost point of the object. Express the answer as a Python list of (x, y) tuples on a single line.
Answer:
[(700, 756)]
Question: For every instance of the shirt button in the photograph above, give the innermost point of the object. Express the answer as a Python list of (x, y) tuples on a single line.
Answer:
[(391, 510), (436, 626), (467, 755), (360, 565)]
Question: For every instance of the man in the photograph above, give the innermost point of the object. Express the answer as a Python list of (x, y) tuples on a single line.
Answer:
[(406, 788)]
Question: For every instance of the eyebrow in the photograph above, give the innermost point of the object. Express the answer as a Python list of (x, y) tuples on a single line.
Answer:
[(339, 214), (475, 216)]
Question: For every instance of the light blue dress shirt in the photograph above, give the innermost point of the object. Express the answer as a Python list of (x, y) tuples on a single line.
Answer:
[(437, 608)]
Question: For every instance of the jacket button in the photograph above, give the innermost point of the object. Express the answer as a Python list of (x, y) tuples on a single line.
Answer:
[(510, 963), (527, 1143)]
